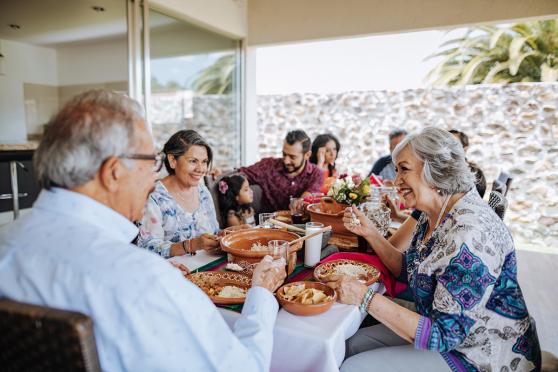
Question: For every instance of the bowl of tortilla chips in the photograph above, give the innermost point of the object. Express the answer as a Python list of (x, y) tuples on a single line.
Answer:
[(306, 298)]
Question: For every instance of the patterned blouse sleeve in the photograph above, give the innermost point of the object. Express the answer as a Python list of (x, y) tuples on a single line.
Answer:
[(151, 232), (464, 283)]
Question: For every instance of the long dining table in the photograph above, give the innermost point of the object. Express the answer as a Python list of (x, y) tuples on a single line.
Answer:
[(300, 343)]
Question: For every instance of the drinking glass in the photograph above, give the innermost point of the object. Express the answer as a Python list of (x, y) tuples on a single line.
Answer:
[(296, 207), (264, 219), (313, 246), (278, 249)]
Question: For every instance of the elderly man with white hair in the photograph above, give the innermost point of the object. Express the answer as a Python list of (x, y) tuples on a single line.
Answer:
[(97, 166), (461, 268)]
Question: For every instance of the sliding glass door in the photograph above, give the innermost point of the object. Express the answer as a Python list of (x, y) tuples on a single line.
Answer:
[(194, 84)]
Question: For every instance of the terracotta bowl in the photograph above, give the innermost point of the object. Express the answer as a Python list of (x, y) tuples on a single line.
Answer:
[(238, 245), (307, 310), (232, 229), (335, 220)]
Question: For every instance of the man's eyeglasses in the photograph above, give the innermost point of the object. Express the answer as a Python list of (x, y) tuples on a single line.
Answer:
[(159, 159)]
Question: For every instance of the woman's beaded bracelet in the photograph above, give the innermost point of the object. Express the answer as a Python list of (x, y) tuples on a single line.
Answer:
[(366, 300), (188, 250)]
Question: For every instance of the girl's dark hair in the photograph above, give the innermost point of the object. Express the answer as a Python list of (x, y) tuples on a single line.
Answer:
[(320, 141), (227, 200), (180, 143), (463, 138)]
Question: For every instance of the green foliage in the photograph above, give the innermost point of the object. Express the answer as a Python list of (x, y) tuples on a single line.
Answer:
[(346, 191), (520, 52), (217, 78)]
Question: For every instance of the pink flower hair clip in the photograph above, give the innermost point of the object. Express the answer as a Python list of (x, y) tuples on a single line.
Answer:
[(223, 187)]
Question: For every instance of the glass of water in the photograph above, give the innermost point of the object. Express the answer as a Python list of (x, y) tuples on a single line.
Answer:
[(264, 219)]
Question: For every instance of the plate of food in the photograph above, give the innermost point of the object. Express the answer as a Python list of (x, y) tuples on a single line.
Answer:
[(223, 288), (306, 298), (364, 272)]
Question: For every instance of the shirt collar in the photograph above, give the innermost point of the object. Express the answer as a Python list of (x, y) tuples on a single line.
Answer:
[(82, 207)]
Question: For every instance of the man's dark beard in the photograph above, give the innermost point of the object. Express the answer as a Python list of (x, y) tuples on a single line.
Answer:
[(302, 165)]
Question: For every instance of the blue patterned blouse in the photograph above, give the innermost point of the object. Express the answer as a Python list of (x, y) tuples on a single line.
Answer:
[(464, 282), (165, 222)]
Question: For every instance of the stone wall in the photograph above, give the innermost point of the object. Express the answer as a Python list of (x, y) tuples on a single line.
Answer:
[(214, 117), (511, 128)]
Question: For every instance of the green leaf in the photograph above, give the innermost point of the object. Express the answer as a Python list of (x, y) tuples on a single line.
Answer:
[(515, 47), (548, 74), (497, 68), (517, 61), (494, 38), (469, 70)]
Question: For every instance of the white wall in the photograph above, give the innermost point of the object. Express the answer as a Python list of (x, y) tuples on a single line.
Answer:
[(23, 63), (91, 63)]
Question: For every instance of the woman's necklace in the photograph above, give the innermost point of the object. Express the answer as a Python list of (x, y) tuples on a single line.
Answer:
[(440, 215)]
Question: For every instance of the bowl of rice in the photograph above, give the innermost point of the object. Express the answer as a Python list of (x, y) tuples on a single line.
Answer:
[(248, 247)]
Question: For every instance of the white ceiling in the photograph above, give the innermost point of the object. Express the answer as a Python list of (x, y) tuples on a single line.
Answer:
[(52, 22)]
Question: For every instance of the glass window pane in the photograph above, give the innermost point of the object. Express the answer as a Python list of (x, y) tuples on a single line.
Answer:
[(193, 86)]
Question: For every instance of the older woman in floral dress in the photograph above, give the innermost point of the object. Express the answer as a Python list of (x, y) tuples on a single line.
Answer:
[(180, 215), (461, 267)]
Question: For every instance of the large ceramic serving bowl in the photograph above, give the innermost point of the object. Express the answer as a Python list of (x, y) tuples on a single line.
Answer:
[(307, 309), (329, 217), (238, 245)]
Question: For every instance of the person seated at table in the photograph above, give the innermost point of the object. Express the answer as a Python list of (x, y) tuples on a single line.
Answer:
[(461, 268), (96, 164), (480, 180), (290, 176), (384, 166), (180, 215), (235, 200), (325, 150)]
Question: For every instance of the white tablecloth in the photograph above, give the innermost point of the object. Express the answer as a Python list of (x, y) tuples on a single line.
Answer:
[(314, 343)]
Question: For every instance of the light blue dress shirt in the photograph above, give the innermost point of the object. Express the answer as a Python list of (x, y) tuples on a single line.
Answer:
[(71, 252)]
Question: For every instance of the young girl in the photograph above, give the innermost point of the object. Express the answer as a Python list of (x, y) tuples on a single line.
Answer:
[(235, 200)]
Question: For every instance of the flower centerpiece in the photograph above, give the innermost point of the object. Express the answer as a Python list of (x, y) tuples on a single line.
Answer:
[(349, 190)]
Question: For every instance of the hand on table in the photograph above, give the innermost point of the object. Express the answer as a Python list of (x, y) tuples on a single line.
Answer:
[(269, 273), (349, 290), (364, 227), (208, 242), (185, 271)]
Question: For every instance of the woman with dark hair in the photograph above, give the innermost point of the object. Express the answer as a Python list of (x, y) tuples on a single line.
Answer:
[(235, 200), (325, 149), (180, 215)]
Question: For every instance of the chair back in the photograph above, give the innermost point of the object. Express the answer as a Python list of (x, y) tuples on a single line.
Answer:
[(498, 203), (38, 338), (502, 184), (213, 187)]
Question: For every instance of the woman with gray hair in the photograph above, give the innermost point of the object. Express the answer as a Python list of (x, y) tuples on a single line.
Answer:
[(461, 268)]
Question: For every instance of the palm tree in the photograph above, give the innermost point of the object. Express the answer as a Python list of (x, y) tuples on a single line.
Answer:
[(217, 78), (520, 52)]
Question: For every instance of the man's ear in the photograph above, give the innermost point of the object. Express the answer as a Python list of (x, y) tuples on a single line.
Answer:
[(307, 155), (110, 173)]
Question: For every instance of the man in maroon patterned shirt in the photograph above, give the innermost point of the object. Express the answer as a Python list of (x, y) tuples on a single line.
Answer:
[(290, 176)]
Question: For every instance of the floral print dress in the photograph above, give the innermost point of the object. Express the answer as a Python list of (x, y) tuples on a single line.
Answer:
[(165, 222), (464, 283)]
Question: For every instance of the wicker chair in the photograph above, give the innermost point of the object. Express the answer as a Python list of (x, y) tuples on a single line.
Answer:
[(37, 338), (498, 202)]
